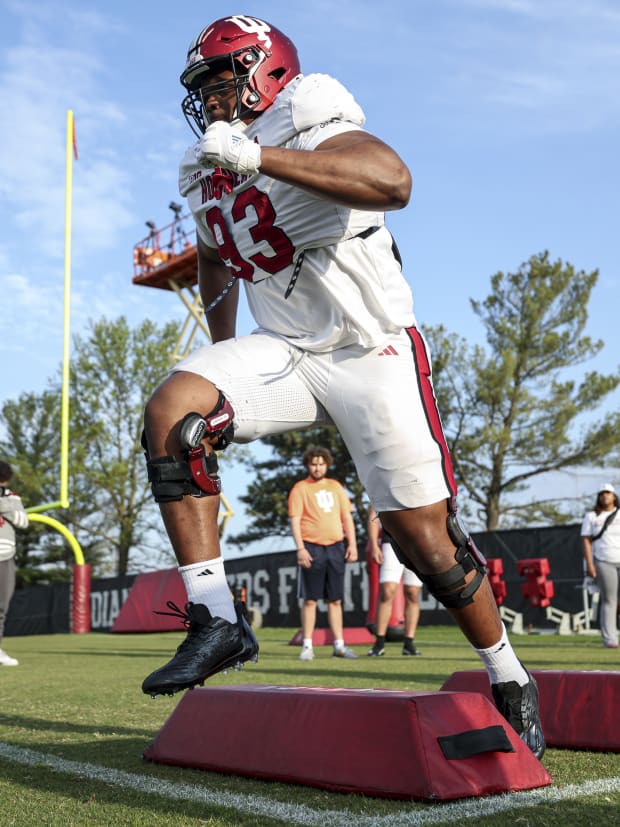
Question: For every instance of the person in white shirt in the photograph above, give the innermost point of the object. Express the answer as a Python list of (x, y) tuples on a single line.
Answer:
[(289, 193), (600, 533), (12, 515)]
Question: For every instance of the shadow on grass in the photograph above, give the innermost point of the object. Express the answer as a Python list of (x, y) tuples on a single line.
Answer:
[(45, 725), (109, 653), (101, 802)]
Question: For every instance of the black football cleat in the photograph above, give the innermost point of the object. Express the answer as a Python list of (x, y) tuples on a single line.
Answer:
[(212, 645), (519, 706)]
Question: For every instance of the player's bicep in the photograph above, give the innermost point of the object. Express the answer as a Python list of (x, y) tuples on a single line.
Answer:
[(354, 140)]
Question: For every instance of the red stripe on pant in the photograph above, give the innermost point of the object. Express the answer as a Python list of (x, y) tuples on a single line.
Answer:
[(429, 403)]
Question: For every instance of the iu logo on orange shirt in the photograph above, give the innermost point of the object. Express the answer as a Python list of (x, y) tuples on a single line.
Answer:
[(325, 500)]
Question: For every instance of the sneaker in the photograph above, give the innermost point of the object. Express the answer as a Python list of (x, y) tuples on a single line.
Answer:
[(411, 650), (376, 651), (7, 660), (345, 652), (307, 653), (211, 646), (519, 706)]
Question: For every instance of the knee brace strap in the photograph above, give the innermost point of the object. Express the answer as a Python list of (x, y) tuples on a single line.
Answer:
[(449, 587), (195, 475)]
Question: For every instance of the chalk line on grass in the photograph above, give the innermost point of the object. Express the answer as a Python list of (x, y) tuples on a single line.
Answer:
[(300, 814)]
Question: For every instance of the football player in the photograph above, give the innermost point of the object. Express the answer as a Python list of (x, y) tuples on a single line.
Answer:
[(289, 194)]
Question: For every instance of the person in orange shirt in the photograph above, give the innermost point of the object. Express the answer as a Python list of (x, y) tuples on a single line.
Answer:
[(320, 515)]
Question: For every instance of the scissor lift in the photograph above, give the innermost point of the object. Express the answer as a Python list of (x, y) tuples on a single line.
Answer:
[(167, 259)]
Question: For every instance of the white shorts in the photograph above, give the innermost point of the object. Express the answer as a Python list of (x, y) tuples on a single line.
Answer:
[(380, 400), (392, 569)]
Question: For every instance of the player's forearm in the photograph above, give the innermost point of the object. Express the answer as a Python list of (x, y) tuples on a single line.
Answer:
[(365, 174), (222, 319)]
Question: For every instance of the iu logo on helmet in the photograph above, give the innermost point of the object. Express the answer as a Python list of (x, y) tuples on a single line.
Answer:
[(252, 25)]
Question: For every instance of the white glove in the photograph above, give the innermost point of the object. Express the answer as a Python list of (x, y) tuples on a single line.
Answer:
[(226, 146)]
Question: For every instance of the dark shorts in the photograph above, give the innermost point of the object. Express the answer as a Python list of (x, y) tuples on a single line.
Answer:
[(324, 580)]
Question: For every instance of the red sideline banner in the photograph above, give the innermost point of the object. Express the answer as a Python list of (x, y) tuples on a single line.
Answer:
[(150, 592), (387, 743), (578, 710)]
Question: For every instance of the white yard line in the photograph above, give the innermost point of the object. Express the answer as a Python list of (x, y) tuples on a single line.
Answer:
[(297, 814)]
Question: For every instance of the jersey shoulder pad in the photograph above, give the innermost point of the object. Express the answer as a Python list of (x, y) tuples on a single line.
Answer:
[(307, 101), (320, 98)]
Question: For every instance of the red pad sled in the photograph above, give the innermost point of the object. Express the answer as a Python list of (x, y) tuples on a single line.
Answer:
[(578, 710), (426, 746)]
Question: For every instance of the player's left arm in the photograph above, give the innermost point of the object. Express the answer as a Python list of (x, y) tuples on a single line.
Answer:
[(213, 278), (355, 169)]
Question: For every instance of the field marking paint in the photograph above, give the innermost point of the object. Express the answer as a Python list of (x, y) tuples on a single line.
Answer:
[(299, 814)]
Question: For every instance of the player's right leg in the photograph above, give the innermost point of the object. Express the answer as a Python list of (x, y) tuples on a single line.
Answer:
[(182, 468), (240, 389), (385, 409)]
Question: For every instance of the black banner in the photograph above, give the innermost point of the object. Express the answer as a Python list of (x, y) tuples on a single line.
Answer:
[(270, 581)]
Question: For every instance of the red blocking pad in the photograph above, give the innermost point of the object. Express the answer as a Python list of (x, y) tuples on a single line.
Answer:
[(323, 637), (406, 745), (578, 710)]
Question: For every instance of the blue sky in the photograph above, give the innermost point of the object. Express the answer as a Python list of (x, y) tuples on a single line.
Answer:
[(506, 111)]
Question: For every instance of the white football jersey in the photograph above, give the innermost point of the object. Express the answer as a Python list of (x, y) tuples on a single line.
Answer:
[(309, 274)]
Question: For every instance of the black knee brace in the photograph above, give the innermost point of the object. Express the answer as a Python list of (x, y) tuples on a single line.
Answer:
[(195, 474), (449, 587)]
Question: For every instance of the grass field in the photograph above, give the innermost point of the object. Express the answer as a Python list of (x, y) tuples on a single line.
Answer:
[(74, 724)]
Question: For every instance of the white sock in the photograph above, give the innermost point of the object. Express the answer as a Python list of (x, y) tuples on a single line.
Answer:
[(307, 643), (339, 644), (501, 662), (206, 583)]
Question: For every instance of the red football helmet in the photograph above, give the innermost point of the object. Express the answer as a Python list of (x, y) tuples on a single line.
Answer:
[(262, 59)]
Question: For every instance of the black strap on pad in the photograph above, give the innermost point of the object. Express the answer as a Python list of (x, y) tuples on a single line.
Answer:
[(475, 742)]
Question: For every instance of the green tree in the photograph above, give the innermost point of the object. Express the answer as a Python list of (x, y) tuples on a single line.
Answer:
[(514, 410), (272, 479), (111, 512), (113, 372)]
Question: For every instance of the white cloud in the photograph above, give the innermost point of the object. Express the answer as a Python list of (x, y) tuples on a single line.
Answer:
[(39, 81)]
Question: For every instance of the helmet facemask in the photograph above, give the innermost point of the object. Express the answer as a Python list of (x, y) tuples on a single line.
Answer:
[(243, 64)]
